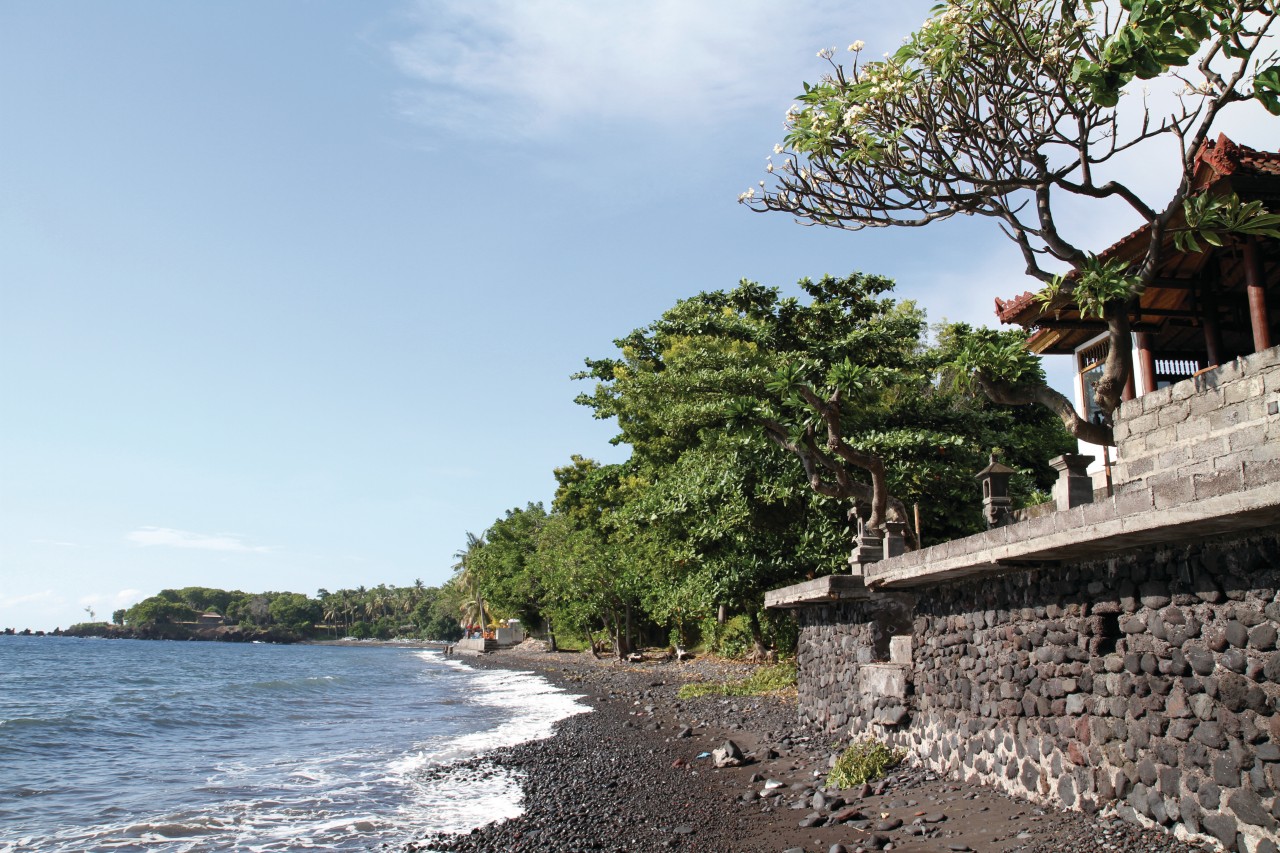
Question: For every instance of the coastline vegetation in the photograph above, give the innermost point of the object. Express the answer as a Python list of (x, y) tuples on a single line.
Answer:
[(752, 419), (767, 679), (382, 612), (863, 761)]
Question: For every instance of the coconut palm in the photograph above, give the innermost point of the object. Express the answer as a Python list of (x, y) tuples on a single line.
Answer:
[(472, 608)]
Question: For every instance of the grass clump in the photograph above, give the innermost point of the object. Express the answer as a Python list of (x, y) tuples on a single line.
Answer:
[(863, 761), (766, 679)]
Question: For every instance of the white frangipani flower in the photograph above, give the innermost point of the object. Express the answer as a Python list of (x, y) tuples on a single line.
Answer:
[(857, 46)]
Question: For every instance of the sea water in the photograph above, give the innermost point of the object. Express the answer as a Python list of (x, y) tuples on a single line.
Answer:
[(130, 745)]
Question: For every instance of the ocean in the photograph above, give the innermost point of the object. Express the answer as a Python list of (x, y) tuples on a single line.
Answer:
[(131, 745)]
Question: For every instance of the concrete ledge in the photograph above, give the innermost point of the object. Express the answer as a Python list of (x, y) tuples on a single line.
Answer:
[(817, 591), (474, 646), (1084, 532)]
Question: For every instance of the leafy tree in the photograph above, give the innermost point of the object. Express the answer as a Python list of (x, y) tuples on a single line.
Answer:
[(204, 598), (718, 398), (158, 610), (713, 517), (589, 582), (845, 381), (294, 610), (434, 616), (1002, 108), (508, 576)]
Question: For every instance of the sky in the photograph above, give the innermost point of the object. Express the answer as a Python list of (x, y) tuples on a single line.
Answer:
[(291, 294)]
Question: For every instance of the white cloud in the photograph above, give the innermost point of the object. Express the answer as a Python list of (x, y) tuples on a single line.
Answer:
[(148, 536), (46, 597), (123, 598), (531, 67)]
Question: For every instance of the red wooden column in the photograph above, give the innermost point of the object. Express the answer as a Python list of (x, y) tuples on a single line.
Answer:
[(1146, 362), (1257, 296), (1209, 320)]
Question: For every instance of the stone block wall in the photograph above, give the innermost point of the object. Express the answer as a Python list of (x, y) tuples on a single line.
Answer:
[(842, 645), (1149, 682), (1216, 432)]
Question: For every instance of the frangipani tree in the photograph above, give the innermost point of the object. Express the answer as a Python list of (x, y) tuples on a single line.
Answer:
[(1002, 108), (806, 417)]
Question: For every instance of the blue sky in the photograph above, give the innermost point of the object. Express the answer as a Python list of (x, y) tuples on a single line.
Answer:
[(290, 294)]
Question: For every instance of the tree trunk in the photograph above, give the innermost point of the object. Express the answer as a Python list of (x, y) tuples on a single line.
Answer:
[(1009, 395), (1118, 368), (758, 650)]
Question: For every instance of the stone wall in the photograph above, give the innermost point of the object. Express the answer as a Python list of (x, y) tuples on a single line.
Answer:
[(1148, 681), (1216, 432)]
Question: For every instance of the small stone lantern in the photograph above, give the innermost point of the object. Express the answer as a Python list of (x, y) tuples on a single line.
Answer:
[(868, 547), (997, 506)]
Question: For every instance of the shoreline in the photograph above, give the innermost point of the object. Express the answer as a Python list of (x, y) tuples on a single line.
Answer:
[(628, 777)]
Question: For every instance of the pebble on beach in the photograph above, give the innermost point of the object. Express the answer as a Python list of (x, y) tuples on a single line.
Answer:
[(649, 771)]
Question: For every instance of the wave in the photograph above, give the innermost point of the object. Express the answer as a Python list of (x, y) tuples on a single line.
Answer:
[(309, 684), (340, 749), (30, 722)]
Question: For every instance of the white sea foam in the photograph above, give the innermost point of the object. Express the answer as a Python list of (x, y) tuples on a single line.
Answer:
[(462, 798)]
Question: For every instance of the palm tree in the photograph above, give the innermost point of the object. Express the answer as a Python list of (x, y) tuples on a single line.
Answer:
[(473, 609), (330, 607)]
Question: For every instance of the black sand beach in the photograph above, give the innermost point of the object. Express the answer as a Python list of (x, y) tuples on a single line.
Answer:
[(627, 777)]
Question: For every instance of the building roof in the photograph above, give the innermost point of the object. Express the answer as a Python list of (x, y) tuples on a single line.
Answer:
[(1219, 165)]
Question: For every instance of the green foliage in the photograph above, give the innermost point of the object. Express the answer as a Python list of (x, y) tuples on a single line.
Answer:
[(293, 610), (1095, 285), (203, 599), (732, 639), (158, 610), (1214, 218), (986, 352), (864, 761), (505, 566), (1266, 88), (382, 611), (766, 679), (1158, 35), (434, 616), (708, 511)]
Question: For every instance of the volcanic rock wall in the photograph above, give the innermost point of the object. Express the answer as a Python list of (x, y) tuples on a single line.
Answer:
[(1149, 681)]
